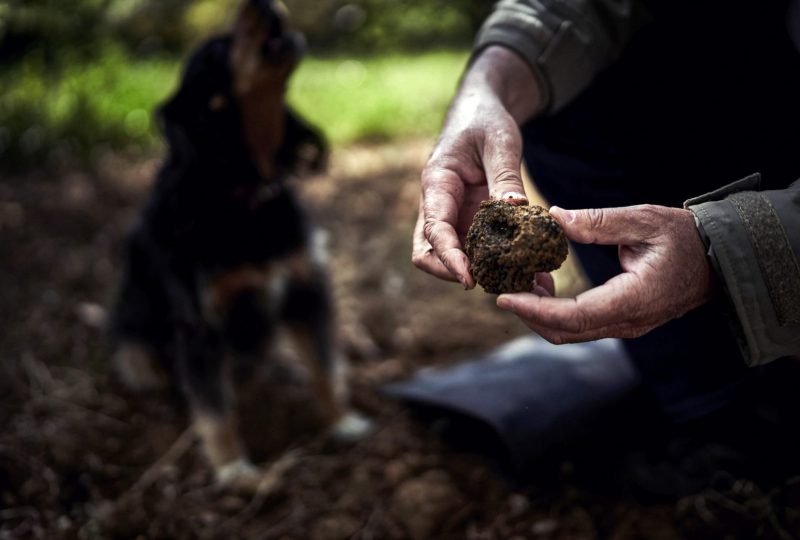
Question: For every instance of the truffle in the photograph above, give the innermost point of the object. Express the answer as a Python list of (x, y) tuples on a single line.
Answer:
[(507, 244)]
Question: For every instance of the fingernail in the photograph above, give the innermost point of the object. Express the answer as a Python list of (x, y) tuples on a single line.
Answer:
[(513, 196), (567, 216), (504, 302)]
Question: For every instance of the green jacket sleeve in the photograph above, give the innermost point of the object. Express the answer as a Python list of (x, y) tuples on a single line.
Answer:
[(753, 240), (566, 42)]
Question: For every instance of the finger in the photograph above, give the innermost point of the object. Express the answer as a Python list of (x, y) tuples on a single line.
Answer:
[(611, 226), (545, 280), (430, 263), (441, 236), (560, 337), (422, 254), (502, 159), (443, 193), (615, 302), (540, 291), (626, 329)]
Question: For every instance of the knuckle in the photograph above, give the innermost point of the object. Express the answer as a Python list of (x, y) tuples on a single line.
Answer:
[(595, 217), (651, 213), (450, 257), (654, 218), (430, 230), (506, 179), (432, 173), (507, 175)]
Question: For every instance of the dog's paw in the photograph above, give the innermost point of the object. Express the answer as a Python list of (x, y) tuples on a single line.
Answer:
[(240, 475), (138, 369), (244, 477), (352, 427)]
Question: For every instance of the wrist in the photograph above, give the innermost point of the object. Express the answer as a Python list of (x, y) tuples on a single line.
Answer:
[(698, 243), (501, 73)]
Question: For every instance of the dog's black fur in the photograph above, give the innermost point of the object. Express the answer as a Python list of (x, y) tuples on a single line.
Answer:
[(213, 216)]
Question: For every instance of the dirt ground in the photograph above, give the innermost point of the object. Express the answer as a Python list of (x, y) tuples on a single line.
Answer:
[(82, 458)]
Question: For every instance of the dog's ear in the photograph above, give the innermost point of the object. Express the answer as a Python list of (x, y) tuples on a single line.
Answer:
[(200, 113), (304, 150)]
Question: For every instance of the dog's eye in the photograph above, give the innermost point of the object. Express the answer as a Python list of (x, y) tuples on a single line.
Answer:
[(217, 102)]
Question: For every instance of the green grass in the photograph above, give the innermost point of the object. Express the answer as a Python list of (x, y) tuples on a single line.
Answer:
[(384, 97), (82, 110), (109, 103)]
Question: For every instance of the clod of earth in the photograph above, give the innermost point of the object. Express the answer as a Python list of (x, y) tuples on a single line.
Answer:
[(422, 504), (508, 244)]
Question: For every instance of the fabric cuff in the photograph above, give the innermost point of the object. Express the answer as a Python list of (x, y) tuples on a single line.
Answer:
[(733, 222)]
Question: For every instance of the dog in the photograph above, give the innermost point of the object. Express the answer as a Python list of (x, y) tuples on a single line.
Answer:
[(222, 252)]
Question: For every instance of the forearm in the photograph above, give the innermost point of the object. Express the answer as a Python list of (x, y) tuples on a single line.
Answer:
[(500, 73), (565, 43)]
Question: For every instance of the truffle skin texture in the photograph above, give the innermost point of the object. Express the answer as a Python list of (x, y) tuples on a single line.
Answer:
[(507, 244)]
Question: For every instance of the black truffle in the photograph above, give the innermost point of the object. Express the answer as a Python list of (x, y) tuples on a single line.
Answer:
[(507, 244)]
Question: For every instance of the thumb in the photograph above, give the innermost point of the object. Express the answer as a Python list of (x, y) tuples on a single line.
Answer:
[(502, 162), (611, 226)]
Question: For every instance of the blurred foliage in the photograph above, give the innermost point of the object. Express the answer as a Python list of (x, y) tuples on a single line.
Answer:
[(109, 103), (86, 109), (78, 77), (59, 29), (70, 30), (378, 26), (377, 97)]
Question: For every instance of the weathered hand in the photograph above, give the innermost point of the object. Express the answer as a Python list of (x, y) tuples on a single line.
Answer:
[(477, 156), (665, 274)]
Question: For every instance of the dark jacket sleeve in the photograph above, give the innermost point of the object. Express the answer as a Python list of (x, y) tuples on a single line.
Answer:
[(753, 238), (566, 42)]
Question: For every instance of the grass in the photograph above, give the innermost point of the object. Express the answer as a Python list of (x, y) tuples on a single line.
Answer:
[(384, 97), (81, 110), (87, 108)]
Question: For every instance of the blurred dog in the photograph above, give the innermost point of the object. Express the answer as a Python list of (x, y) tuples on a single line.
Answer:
[(222, 251)]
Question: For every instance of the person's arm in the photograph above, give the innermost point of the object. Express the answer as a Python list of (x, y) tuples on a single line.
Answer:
[(530, 56), (743, 244), (565, 42), (753, 242)]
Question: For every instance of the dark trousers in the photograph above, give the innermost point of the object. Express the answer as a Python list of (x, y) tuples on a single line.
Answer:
[(691, 366)]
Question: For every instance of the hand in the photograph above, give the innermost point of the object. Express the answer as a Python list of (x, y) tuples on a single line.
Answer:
[(477, 156), (665, 274)]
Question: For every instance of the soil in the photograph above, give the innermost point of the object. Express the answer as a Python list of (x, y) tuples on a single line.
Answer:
[(82, 458)]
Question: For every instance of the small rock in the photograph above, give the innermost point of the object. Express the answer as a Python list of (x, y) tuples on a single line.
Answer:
[(91, 314), (64, 523), (517, 505), (544, 527), (339, 527), (377, 373), (421, 504), (396, 471)]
